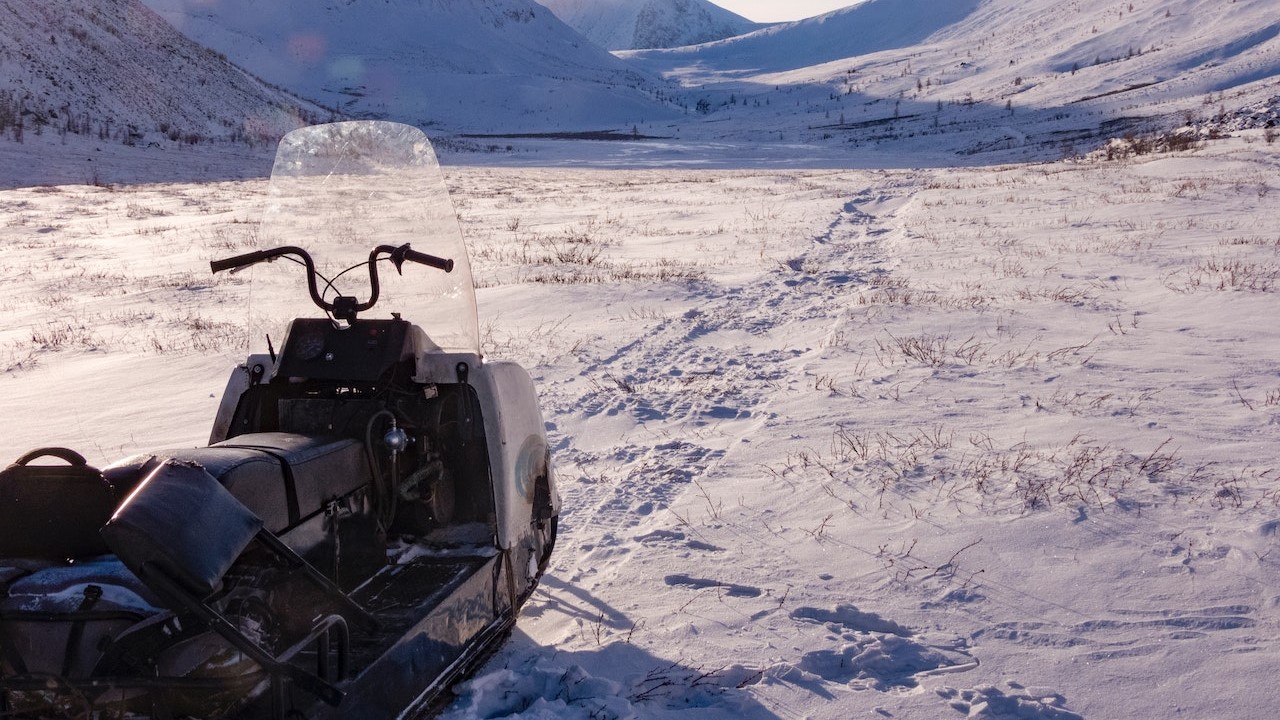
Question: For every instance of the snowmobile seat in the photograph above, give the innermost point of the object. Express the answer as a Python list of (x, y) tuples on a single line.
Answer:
[(183, 523), (314, 469), (282, 478)]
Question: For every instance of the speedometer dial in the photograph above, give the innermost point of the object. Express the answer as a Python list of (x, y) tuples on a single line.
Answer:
[(309, 345)]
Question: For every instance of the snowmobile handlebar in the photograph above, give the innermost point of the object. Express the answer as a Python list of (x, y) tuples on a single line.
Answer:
[(343, 308), (243, 261), (408, 253)]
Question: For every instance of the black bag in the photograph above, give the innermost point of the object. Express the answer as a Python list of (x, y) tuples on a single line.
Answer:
[(53, 511)]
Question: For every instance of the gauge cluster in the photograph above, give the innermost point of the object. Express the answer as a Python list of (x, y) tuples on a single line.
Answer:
[(319, 349)]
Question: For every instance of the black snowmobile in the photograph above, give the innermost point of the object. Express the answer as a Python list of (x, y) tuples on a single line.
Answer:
[(374, 506)]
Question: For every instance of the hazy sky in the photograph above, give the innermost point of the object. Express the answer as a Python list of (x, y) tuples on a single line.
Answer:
[(774, 10)]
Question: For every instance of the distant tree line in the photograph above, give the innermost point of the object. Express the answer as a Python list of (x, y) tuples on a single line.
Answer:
[(20, 114)]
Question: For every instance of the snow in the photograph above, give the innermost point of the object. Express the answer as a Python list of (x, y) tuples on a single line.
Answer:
[(979, 441), (480, 66), (922, 442), (895, 387), (861, 29), (115, 71), (634, 24)]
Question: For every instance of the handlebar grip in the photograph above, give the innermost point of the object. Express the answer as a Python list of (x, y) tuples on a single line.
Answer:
[(239, 261), (430, 260)]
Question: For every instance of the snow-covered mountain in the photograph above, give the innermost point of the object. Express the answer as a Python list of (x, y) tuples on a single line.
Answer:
[(470, 65), (637, 24), (115, 70), (974, 75), (865, 28), (917, 81), (1067, 48)]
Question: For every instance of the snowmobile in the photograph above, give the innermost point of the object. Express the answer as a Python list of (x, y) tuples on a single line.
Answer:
[(375, 503)]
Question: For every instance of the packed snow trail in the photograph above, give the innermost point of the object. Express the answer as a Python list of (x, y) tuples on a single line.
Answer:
[(699, 383), (651, 423), (651, 427)]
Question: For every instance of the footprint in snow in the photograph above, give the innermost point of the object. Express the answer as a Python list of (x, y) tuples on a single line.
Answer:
[(879, 653), (884, 662), (1142, 632), (850, 617), (990, 703)]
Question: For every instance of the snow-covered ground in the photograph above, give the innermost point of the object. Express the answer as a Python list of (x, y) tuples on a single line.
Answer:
[(851, 418), (996, 442)]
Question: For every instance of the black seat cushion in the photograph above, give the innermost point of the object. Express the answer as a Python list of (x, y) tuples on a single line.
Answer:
[(322, 468), (283, 478), (183, 523)]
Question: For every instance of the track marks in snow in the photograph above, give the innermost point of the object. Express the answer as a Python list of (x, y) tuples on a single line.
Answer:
[(682, 381), (675, 539), (683, 388), (876, 652), (882, 662), (1139, 633), (634, 482)]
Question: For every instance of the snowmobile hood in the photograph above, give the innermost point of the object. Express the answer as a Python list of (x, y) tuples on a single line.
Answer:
[(338, 190)]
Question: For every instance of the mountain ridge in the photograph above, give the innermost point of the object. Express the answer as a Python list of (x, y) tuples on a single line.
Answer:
[(59, 67), (479, 65), (641, 24)]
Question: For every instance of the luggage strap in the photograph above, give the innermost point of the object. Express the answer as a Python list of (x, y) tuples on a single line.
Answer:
[(92, 594)]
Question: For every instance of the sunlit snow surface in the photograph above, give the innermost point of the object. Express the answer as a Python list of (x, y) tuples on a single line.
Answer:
[(875, 388), (991, 441)]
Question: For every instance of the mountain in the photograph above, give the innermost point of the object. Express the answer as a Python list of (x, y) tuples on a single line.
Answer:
[(918, 80), (999, 41), (461, 65), (972, 76), (637, 24), (865, 28), (114, 69)]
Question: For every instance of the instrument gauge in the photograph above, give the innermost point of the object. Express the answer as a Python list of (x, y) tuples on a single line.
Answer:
[(309, 345)]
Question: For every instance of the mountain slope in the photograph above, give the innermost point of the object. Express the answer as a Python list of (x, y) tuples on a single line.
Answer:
[(974, 76), (471, 65), (982, 45), (858, 30), (637, 24), (114, 69)]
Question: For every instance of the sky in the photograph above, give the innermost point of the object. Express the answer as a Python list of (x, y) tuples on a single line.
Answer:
[(778, 10)]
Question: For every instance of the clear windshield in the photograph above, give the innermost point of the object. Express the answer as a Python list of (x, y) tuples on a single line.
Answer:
[(338, 191)]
